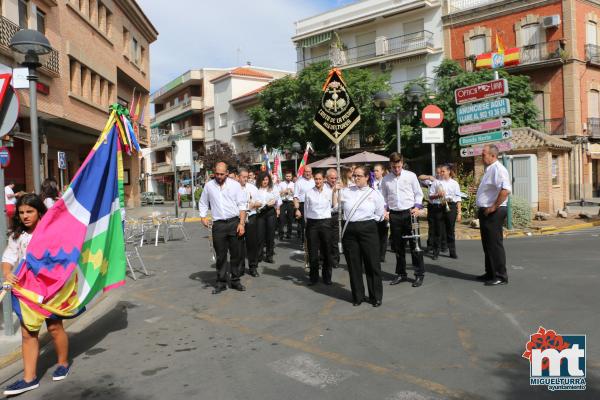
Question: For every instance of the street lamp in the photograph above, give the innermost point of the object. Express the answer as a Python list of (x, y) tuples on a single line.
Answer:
[(32, 44), (175, 183), (193, 171), (297, 147), (383, 100)]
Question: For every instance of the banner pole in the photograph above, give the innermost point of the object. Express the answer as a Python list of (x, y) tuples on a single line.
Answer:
[(339, 204)]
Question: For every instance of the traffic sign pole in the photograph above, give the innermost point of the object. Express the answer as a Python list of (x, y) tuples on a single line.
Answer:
[(509, 222), (432, 159)]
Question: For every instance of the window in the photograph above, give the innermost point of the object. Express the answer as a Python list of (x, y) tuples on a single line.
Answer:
[(176, 101), (538, 100), (365, 43), (210, 123), (591, 33), (135, 49), (41, 21), (223, 119), (23, 13), (555, 170), (593, 104), (125, 41), (530, 35), (477, 45), (123, 102)]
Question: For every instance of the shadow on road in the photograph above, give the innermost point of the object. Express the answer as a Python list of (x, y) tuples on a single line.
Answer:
[(101, 388), (207, 278), (298, 277), (516, 376), (86, 340), (450, 273)]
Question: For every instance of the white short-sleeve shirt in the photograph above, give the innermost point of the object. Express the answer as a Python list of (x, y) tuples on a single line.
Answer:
[(494, 180)]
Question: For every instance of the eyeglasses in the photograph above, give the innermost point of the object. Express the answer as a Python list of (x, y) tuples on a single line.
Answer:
[(358, 176)]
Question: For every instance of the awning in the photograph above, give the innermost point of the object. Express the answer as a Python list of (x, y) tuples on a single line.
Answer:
[(315, 40)]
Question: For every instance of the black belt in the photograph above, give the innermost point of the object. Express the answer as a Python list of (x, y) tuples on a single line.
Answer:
[(399, 212), (225, 221), (314, 220), (287, 201)]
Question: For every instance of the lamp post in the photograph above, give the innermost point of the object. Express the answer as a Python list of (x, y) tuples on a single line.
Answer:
[(193, 171), (383, 100), (296, 147), (32, 44), (175, 183)]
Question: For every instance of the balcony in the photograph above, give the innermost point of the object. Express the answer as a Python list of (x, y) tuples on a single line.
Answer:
[(592, 54), (162, 168), (191, 103), (161, 138), (530, 57), (382, 49), (455, 6), (553, 126), (240, 128), (593, 127), (50, 62)]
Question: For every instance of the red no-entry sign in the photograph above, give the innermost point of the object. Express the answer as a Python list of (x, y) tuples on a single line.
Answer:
[(432, 116)]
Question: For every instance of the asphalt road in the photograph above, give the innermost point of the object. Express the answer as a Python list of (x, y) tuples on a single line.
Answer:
[(167, 337)]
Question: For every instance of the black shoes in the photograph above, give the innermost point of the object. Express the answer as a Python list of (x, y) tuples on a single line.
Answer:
[(219, 288), (253, 272), (376, 303), (453, 255), (358, 303), (418, 281), (399, 279), (496, 282), (312, 283), (269, 260), (483, 278), (434, 256), (238, 286), (328, 283)]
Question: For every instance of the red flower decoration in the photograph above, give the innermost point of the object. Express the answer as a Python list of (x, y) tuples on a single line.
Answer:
[(545, 339)]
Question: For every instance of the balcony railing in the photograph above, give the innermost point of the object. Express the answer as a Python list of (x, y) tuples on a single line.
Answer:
[(553, 126), (382, 47), (594, 127), (592, 54), (175, 109), (50, 62), (455, 6), (241, 127), (530, 55)]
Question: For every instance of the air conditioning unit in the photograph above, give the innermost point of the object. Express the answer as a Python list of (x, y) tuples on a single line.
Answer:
[(551, 21)]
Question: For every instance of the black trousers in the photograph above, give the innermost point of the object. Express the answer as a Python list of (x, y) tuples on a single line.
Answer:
[(266, 223), (335, 238), (226, 239), (490, 227), (250, 245), (430, 222), (443, 227), (318, 238), (400, 225), (383, 232), (361, 250), (301, 223), (286, 217)]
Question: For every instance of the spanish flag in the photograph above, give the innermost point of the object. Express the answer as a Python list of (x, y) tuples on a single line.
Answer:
[(509, 57)]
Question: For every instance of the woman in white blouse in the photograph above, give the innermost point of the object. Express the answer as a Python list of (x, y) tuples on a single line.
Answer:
[(267, 216), (30, 210), (49, 193), (363, 207)]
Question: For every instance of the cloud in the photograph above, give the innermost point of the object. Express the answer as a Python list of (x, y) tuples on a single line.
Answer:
[(225, 33)]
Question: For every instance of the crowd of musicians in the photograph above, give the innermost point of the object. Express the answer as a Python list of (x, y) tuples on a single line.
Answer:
[(248, 210)]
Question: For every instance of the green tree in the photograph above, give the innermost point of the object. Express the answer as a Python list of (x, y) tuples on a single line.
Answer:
[(448, 77), (288, 106)]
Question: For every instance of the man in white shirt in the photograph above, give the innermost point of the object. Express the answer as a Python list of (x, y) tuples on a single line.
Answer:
[(10, 202), (227, 202), (303, 184), (250, 238), (403, 198), (492, 197), (286, 211), (317, 211), (382, 226), (181, 192)]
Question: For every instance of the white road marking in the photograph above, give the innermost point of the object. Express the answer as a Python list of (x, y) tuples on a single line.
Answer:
[(153, 319), (516, 267), (304, 368), (408, 395), (508, 315)]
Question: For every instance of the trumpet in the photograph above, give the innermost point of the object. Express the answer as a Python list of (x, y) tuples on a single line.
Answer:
[(210, 241), (442, 196), (415, 233)]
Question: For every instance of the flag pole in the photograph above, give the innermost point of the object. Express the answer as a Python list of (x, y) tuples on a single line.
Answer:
[(339, 198)]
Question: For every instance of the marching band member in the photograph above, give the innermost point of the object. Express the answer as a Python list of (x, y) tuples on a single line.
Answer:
[(382, 226), (318, 202), (332, 182), (303, 184), (286, 212), (403, 197), (228, 204), (444, 195), (250, 238), (267, 215), (363, 207)]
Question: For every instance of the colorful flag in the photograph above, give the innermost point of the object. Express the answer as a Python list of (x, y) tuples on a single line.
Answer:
[(266, 162), (304, 160), (131, 106), (501, 58), (277, 167), (136, 116), (78, 250)]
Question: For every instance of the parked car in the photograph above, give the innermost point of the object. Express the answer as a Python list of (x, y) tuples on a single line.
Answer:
[(152, 198)]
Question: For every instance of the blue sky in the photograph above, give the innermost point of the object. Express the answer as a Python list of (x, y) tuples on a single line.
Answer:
[(225, 33)]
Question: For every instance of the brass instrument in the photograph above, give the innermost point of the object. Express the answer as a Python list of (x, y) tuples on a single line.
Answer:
[(210, 241), (442, 196), (415, 233)]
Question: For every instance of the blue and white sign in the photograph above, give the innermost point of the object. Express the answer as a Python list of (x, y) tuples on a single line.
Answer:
[(4, 157), (497, 60), (485, 110), (62, 160)]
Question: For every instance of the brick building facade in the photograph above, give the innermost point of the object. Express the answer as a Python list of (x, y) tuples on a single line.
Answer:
[(101, 56)]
